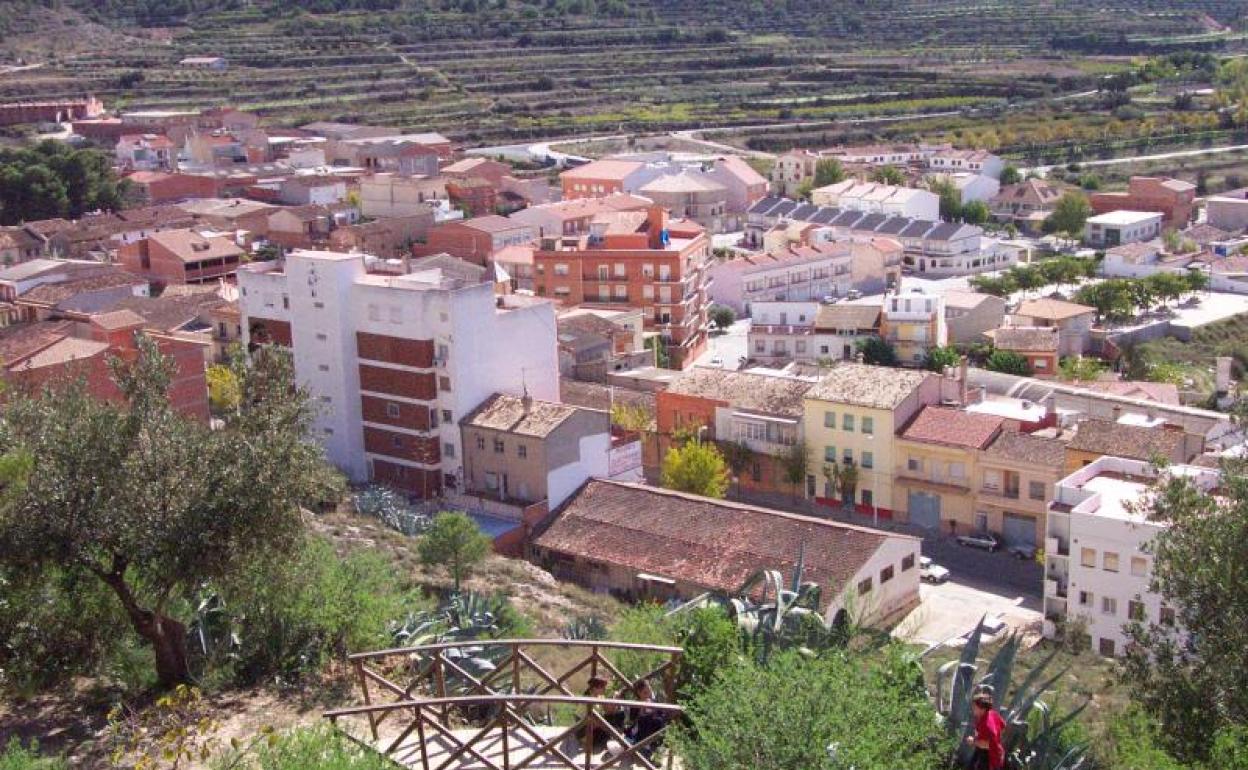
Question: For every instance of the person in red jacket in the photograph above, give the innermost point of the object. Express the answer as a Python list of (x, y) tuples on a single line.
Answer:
[(989, 726)]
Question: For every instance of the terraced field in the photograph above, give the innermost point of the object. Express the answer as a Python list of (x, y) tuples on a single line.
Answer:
[(518, 71)]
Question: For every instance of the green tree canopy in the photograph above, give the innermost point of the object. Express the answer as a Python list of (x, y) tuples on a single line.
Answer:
[(151, 503), (828, 171), (888, 175), (696, 467), (876, 350), (976, 213), (828, 713), (1009, 362), (52, 179), (722, 316), (940, 357), (1192, 675), (1010, 175), (1069, 215), (456, 542)]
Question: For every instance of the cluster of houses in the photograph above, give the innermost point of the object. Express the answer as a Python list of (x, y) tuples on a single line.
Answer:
[(467, 331)]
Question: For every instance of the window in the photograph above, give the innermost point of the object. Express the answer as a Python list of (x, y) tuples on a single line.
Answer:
[(446, 415), (561, 269), (647, 292), (499, 446), (323, 367), (868, 425), (868, 498), (1040, 363), (1109, 605), (522, 450), (799, 346), (1087, 557), (907, 563), (868, 460), (321, 337), (756, 472), (491, 480), (847, 422), (829, 420), (397, 441), (886, 575), (481, 443), (829, 454), (433, 419), (1110, 561), (864, 587), (847, 456), (392, 410), (1167, 616), (760, 346), (448, 449), (444, 383), (1107, 647), (621, 291), (914, 464), (1035, 490), (957, 470), (620, 271), (1085, 598), (1139, 566), (1135, 611)]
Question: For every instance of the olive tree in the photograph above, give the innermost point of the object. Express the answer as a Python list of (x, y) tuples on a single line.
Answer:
[(153, 503)]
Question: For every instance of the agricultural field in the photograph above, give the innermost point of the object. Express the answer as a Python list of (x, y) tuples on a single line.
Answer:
[(486, 72)]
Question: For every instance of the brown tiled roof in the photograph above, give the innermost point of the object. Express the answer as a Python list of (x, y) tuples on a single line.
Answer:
[(53, 293), (967, 300), (1052, 309), (843, 316), (21, 340), (764, 393), (492, 223), (1134, 442), (1033, 450), (512, 415), (597, 396), (878, 387), (952, 427), (173, 309), (190, 246), (603, 169), (65, 350), (1161, 392), (713, 544), (117, 319), (1028, 339)]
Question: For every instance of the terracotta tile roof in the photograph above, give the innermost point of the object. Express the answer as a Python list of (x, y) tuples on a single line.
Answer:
[(511, 415), (952, 427), (63, 351), (1133, 442), (684, 182), (878, 387), (17, 238), (597, 396), (492, 223), (190, 246), (615, 170), (1161, 392), (846, 316), (755, 392), (1052, 309), (1032, 450), (53, 293), (743, 171), (170, 311), (117, 319), (21, 340), (711, 544), (966, 300), (1025, 339)]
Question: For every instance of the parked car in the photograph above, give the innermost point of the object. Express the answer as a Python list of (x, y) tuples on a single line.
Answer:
[(930, 572), (986, 540), (717, 361), (1023, 552)]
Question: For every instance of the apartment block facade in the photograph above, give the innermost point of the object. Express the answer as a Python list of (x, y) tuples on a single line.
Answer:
[(635, 259), (395, 359)]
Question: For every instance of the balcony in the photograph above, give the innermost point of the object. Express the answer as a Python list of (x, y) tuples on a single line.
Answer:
[(936, 481), (1056, 546), (1006, 494), (1055, 588)]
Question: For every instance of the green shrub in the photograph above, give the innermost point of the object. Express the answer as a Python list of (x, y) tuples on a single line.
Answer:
[(309, 748), (19, 757)]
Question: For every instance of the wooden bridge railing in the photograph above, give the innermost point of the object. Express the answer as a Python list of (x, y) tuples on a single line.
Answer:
[(437, 683), (508, 729)]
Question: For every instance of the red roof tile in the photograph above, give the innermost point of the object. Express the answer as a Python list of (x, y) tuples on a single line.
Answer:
[(952, 427)]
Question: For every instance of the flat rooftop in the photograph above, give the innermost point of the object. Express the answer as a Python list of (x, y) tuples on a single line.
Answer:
[(1123, 217), (1117, 494)]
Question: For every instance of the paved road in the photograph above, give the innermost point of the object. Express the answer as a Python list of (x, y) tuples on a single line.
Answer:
[(728, 347)]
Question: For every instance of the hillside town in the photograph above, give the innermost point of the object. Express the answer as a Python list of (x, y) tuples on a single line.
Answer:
[(918, 393)]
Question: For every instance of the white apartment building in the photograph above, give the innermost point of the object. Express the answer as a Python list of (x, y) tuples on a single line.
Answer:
[(1115, 228), (1097, 570), (395, 360), (872, 198)]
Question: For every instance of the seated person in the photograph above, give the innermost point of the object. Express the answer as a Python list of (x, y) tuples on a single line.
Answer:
[(646, 721)]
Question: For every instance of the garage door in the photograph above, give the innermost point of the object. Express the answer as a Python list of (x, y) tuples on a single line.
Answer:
[(925, 510), (1019, 530)]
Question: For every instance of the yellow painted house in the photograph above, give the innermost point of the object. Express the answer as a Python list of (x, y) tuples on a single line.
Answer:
[(935, 477), (850, 418)]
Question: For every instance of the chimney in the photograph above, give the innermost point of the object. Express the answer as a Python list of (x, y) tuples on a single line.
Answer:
[(526, 400), (962, 384), (656, 216)]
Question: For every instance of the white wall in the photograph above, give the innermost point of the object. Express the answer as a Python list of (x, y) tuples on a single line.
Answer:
[(883, 600), (593, 463)]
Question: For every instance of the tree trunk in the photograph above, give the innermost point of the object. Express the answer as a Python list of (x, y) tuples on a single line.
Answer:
[(166, 635)]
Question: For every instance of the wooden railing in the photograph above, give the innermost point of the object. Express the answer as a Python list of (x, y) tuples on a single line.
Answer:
[(434, 689)]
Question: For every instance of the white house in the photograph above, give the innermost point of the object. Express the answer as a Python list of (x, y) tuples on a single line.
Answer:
[(1097, 566), (972, 186), (396, 359), (869, 197), (1115, 228)]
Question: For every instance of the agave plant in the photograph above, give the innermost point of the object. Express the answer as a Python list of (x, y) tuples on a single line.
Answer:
[(462, 617), (391, 508), (589, 629), (1033, 734)]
